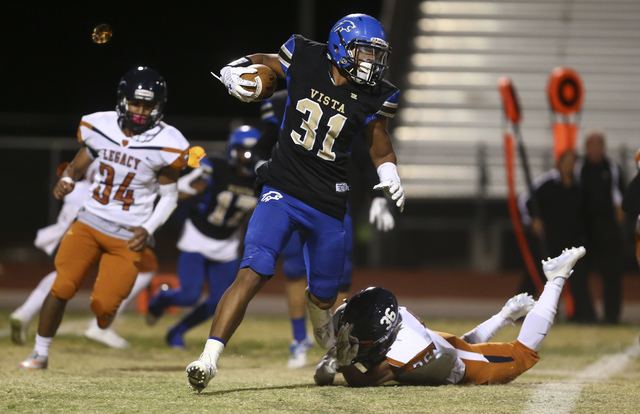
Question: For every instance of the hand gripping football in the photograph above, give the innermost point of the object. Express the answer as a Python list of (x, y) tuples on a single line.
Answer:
[(266, 80)]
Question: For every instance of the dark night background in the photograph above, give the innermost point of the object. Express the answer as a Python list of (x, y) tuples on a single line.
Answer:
[(51, 66), (53, 74)]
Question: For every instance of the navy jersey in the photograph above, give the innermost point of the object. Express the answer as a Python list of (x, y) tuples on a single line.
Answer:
[(272, 113), (226, 203), (320, 122)]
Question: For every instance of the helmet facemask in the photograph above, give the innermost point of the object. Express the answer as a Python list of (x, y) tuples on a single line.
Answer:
[(240, 157), (376, 320), (139, 123), (239, 149), (366, 62), (372, 352)]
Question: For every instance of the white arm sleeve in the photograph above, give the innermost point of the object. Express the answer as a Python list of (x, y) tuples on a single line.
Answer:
[(167, 203)]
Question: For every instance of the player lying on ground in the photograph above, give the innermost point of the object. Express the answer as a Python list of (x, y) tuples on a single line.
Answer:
[(393, 344)]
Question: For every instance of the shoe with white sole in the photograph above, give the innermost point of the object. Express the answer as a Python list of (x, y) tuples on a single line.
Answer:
[(34, 361), (298, 350), (200, 372), (108, 336), (517, 307), (19, 329), (562, 266)]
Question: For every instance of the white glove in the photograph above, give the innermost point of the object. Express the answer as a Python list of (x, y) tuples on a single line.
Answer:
[(390, 183), (326, 369), (344, 351), (230, 78), (380, 215), (394, 190)]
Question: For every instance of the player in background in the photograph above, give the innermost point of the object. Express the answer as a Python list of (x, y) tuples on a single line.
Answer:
[(140, 158), (603, 183), (559, 221), (394, 344), (295, 271), (212, 234), (335, 91), (48, 239), (631, 203)]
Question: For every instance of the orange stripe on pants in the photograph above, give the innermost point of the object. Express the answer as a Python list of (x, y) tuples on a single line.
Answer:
[(81, 248), (483, 372)]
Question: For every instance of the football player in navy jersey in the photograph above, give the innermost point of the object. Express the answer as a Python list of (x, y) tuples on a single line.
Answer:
[(295, 271), (212, 233), (336, 90)]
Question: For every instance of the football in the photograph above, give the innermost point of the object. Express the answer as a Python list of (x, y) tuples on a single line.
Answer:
[(266, 80)]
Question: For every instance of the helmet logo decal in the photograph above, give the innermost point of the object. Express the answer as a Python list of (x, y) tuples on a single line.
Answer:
[(271, 195), (344, 26), (388, 319)]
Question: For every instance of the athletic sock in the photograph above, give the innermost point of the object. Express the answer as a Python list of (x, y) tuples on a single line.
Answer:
[(486, 330), (537, 323), (212, 350), (299, 326), (42, 345)]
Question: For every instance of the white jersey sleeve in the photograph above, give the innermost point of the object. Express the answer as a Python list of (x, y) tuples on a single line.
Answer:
[(126, 183), (48, 238), (423, 356)]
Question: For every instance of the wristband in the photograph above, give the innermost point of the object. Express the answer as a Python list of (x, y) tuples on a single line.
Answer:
[(68, 180), (388, 171)]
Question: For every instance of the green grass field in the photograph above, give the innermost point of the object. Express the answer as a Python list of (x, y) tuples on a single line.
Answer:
[(583, 369)]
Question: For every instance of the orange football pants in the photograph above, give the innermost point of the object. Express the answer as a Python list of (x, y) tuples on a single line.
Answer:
[(502, 361), (80, 249)]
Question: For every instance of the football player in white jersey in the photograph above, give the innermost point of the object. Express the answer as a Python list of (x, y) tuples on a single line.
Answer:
[(394, 344), (48, 239), (140, 158)]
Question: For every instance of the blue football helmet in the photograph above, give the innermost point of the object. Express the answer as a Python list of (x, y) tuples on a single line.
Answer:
[(239, 145), (373, 313), (358, 45), (142, 84)]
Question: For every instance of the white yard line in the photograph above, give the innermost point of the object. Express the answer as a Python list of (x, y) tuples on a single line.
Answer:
[(560, 396), (76, 327)]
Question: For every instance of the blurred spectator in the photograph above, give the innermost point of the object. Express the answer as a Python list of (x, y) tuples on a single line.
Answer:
[(602, 181), (631, 204), (558, 222)]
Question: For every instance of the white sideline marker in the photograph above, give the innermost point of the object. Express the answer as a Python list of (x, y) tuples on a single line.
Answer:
[(560, 397)]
